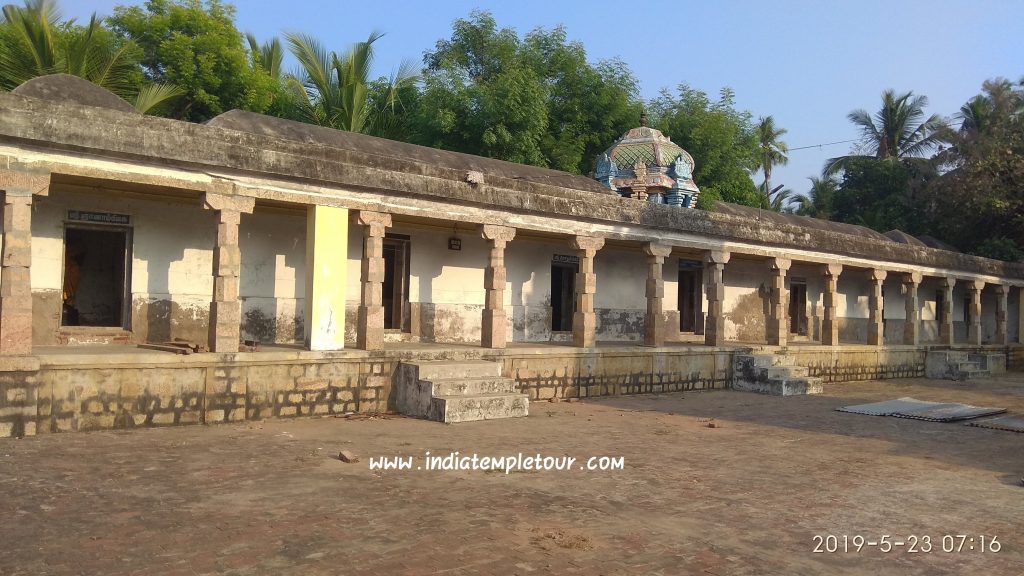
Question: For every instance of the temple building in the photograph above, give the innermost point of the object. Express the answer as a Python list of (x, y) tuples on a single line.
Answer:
[(158, 272)]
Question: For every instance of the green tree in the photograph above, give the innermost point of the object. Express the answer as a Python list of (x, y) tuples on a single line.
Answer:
[(818, 200), (336, 90), (771, 150), (898, 130), (979, 201), (721, 139), (534, 100), (35, 41), (195, 45)]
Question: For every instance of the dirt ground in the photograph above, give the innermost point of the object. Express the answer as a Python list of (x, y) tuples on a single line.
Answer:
[(747, 496)]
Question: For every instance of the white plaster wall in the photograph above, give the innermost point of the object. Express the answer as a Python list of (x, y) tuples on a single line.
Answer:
[(172, 256), (273, 246), (744, 307)]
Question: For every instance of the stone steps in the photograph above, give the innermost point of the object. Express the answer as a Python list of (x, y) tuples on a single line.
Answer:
[(774, 374), (473, 386), (451, 409), (462, 391), (959, 365)]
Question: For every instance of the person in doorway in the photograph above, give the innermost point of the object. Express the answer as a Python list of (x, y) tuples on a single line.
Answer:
[(73, 259)]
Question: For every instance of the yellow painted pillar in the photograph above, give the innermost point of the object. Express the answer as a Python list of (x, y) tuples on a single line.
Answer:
[(326, 277)]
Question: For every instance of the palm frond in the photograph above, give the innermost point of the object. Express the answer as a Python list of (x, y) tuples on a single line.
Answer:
[(154, 97)]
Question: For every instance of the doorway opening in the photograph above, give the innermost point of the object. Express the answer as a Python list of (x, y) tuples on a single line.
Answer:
[(396, 283), (798, 308), (690, 298), (95, 289), (563, 295)]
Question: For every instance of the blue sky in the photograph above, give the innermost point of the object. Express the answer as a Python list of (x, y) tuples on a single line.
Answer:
[(808, 63)]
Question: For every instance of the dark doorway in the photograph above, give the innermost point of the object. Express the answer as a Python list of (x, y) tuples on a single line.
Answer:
[(798, 308), (95, 284), (940, 304), (563, 295), (690, 299), (396, 283)]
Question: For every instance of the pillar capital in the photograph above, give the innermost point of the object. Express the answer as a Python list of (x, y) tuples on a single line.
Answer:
[(496, 232), (228, 203), (832, 269), (1001, 289), (24, 181), (779, 264), (587, 243), (657, 250), (877, 275), (373, 220), (716, 257), (976, 285), (912, 278), (947, 282)]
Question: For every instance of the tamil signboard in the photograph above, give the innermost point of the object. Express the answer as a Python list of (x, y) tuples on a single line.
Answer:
[(99, 217)]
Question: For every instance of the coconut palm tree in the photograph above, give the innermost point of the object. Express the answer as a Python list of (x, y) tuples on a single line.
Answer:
[(818, 200), (34, 41), (335, 88), (772, 150), (268, 56), (898, 130)]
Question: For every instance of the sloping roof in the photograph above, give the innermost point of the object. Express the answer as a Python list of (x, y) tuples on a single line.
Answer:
[(904, 238), (308, 133), (801, 221), (68, 88)]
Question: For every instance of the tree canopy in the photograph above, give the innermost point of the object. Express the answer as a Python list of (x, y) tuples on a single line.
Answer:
[(194, 44), (720, 138), (535, 100)]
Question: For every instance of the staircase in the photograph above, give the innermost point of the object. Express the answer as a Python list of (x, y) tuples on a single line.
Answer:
[(460, 391), (960, 365), (775, 374)]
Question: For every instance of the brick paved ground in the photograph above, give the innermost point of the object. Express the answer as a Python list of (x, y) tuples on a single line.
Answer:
[(743, 498)]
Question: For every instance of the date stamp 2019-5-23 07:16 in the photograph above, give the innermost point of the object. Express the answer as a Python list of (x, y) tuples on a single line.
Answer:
[(909, 544)]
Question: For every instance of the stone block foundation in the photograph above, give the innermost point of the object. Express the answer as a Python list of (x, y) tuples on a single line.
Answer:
[(116, 387)]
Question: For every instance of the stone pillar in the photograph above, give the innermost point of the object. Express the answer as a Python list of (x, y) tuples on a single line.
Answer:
[(226, 309), (946, 321), (370, 332), (654, 321), (776, 323), (876, 305), (1002, 294), (974, 289), (830, 287), (493, 325), (714, 322), (18, 186), (584, 321), (326, 277), (911, 326)]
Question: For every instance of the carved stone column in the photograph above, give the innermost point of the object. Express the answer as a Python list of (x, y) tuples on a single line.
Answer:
[(493, 324), (654, 321), (830, 287), (584, 321), (370, 332), (946, 318), (974, 289), (225, 309), (778, 297), (911, 325), (1002, 294), (876, 305), (714, 271), (18, 186)]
